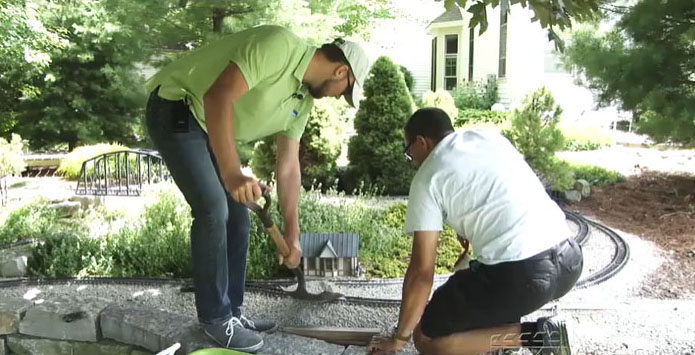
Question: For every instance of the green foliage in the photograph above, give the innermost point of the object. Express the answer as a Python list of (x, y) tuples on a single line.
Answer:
[(535, 134), (32, 221), (89, 90), (408, 77), (479, 95), (551, 15), (441, 99), (471, 116), (319, 148), (71, 166), (65, 254), (11, 161), (375, 153), (596, 175), (645, 64), (579, 137)]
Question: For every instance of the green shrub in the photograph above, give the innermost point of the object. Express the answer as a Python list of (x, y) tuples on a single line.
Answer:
[(408, 77), (245, 152), (319, 149), (579, 137), (33, 221), (71, 166), (535, 134), (376, 152), (66, 254), (479, 95), (441, 99), (11, 161), (596, 175), (472, 116)]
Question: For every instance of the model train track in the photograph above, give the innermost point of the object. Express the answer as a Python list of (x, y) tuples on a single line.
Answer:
[(274, 288)]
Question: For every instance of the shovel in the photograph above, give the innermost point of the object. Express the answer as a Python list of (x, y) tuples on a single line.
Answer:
[(282, 249)]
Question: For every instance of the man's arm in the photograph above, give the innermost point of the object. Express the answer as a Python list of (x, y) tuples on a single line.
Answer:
[(218, 103), (289, 181), (418, 281)]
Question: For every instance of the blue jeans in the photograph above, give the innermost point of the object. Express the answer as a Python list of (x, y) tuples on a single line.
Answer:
[(220, 229)]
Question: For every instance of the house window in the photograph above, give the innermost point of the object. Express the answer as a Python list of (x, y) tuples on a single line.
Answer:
[(471, 39), (451, 50), (502, 70)]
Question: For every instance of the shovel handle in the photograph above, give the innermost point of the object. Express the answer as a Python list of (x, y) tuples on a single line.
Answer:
[(279, 240)]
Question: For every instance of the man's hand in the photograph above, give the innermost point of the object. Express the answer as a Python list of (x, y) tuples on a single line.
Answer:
[(382, 345), (292, 261), (242, 188)]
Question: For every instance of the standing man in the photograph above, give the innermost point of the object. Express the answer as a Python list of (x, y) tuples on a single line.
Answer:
[(476, 182), (243, 87)]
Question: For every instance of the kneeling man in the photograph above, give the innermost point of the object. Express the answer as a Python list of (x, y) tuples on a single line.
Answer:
[(478, 183)]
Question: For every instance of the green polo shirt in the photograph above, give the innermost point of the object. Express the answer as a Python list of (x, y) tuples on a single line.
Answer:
[(272, 60)]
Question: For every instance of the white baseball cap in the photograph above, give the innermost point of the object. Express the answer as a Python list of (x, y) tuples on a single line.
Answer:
[(359, 65)]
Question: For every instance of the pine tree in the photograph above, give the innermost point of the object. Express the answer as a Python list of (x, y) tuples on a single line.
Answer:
[(376, 152)]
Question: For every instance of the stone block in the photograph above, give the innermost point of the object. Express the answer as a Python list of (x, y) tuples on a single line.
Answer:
[(573, 196), (22, 345), (104, 347), (85, 201), (65, 318), (66, 209), (289, 344), (191, 338), (12, 311), (3, 348), (145, 327), (15, 266), (583, 186)]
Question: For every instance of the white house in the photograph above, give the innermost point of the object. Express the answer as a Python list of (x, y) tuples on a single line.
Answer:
[(514, 49)]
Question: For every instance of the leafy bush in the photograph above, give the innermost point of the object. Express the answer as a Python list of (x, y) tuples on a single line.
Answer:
[(245, 151), (65, 254), (375, 153), (33, 221), (535, 134), (441, 99), (11, 161), (579, 137), (71, 166), (408, 77), (596, 175), (319, 149), (471, 116), (479, 95)]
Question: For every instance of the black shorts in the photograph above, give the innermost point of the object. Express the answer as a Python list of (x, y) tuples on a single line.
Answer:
[(489, 295)]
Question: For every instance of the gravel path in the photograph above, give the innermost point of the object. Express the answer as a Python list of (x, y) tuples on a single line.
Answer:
[(609, 318)]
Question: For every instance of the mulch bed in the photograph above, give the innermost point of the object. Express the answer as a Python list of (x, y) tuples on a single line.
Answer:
[(660, 208)]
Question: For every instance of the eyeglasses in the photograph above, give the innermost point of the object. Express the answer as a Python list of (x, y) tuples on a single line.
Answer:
[(406, 152)]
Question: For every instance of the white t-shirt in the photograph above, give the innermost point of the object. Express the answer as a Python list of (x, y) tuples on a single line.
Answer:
[(480, 185)]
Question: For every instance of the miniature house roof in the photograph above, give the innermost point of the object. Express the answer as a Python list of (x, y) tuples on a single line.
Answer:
[(330, 245)]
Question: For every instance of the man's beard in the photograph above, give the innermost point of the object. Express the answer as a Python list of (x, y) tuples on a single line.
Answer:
[(319, 91)]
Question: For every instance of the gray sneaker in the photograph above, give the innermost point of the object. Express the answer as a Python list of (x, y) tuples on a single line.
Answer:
[(259, 325), (232, 335), (555, 338)]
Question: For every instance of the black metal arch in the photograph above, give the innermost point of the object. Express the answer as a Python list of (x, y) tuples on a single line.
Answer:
[(121, 173)]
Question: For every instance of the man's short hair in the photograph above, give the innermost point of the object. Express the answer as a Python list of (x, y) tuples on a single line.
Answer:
[(333, 53), (429, 122)]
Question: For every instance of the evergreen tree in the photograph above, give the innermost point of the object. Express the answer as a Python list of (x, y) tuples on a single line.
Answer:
[(376, 152)]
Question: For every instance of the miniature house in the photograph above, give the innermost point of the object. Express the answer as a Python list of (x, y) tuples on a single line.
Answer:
[(329, 254)]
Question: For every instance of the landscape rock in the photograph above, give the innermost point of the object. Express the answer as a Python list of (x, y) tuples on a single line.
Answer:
[(11, 312), (572, 196), (3, 349), (65, 318), (21, 345), (409, 349), (583, 186), (86, 201), (138, 325), (66, 209), (14, 266)]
